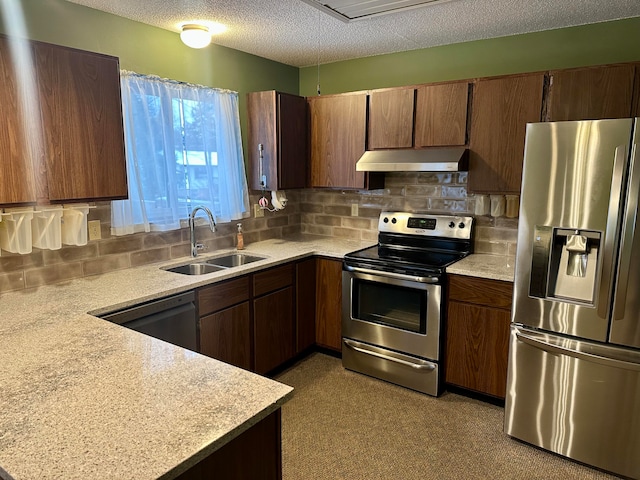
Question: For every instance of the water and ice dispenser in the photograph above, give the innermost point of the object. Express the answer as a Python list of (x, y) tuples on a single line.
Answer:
[(565, 264)]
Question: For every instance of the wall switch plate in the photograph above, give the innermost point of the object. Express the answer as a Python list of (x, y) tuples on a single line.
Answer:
[(258, 211), (94, 230), (354, 209)]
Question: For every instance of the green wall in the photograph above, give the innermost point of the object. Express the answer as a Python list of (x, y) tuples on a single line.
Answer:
[(151, 50), (595, 44)]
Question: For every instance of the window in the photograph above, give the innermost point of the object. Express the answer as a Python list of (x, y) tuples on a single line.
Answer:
[(183, 149)]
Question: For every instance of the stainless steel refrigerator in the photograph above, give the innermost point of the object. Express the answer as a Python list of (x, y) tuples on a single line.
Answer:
[(574, 356)]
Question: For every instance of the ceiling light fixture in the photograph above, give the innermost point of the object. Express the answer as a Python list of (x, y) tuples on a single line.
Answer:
[(195, 36)]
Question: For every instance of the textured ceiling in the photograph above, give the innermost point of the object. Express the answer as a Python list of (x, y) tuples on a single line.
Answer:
[(296, 33)]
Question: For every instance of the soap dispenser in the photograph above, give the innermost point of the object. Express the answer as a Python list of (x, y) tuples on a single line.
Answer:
[(240, 242)]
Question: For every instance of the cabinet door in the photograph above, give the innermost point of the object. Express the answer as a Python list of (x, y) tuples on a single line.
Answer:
[(338, 129), (441, 114), (329, 303), (278, 121), (305, 304), (502, 107), (292, 141), (273, 329), (477, 348), (391, 118), (226, 336), (17, 180), (591, 93), (635, 109), (82, 122)]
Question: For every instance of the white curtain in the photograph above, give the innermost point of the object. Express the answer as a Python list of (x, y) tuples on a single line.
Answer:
[(183, 148)]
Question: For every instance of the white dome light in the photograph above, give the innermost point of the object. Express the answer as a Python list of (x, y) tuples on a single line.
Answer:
[(195, 36)]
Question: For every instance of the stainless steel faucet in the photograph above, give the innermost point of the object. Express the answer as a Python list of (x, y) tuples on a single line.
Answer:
[(192, 230)]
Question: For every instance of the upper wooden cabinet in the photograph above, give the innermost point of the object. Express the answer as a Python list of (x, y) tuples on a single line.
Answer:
[(502, 107), (391, 118), (441, 114), (82, 127), (426, 116), (278, 121), (17, 180), (590, 93), (338, 126), (635, 107)]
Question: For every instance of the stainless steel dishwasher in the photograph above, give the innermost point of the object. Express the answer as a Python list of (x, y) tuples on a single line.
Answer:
[(172, 319)]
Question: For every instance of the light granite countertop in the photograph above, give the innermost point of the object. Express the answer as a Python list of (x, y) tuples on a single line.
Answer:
[(82, 398), (495, 267)]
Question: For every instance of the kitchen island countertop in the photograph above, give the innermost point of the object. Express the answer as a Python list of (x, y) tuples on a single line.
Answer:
[(82, 398)]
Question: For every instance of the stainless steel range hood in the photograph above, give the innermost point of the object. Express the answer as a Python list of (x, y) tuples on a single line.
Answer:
[(435, 159)]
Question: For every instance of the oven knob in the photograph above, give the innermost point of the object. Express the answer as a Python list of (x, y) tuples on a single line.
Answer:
[(394, 221), (461, 225), (452, 224), (386, 220)]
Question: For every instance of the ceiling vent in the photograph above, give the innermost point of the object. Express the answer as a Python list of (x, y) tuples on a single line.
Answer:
[(350, 10)]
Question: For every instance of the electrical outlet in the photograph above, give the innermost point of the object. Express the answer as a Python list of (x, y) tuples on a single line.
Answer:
[(354, 209), (258, 211), (94, 230)]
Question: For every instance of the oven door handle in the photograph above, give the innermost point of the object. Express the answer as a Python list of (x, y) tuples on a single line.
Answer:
[(397, 276), (418, 366)]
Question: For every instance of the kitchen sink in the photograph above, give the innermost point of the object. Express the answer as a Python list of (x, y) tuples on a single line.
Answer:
[(234, 260), (195, 269)]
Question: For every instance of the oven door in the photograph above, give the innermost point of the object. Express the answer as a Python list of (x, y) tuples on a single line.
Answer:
[(393, 311)]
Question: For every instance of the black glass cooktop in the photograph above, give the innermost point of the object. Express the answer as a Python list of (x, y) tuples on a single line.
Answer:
[(402, 259)]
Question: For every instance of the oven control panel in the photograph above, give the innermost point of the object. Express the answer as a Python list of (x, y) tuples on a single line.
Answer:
[(448, 226)]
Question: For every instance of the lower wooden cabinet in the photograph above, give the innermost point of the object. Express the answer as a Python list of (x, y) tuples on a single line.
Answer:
[(273, 329), (305, 304), (262, 320), (226, 335), (256, 453), (477, 345), (329, 303)]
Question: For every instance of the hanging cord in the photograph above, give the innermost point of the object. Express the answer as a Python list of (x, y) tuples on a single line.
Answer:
[(318, 51)]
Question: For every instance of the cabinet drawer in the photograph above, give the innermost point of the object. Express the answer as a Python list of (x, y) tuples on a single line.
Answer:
[(222, 295), (481, 291), (273, 279)]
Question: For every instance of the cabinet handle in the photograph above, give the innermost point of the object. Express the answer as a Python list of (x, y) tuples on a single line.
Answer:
[(263, 177)]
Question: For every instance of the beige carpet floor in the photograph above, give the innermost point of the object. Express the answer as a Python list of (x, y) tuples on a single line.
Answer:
[(343, 425)]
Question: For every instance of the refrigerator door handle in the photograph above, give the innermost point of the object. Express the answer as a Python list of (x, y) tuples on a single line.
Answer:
[(540, 341), (605, 294), (627, 236)]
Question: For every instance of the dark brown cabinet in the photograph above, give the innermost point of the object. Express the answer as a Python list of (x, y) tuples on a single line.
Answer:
[(81, 112), (476, 354), (17, 176), (441, 114), (255, 453), (273, 311), (277, 121), (338, 126), (305, 304), (79, 152), (590, 93), (635, 108), (502, 107), (391, 118), (225, 322), (329, 303)]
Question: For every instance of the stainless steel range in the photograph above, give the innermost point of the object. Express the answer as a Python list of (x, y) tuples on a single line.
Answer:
[(392, 296)]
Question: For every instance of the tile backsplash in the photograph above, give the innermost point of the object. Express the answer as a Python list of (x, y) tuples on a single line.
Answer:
[(312, 211)]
